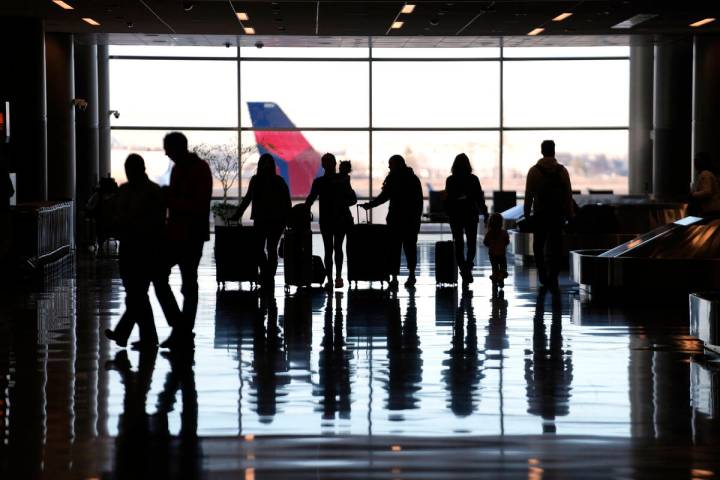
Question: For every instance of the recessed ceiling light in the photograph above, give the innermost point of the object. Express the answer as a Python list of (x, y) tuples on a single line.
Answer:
[(702, 22), (562, 17), (249, 30), (536, 31), (242, 16), (408, 8), (397, 25), (92, 22), (63, 5)]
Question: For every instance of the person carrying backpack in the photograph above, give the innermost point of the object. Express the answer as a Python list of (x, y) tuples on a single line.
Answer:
[(548, 196)]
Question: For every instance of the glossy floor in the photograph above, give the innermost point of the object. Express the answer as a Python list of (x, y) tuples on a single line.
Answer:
[(357, 384)]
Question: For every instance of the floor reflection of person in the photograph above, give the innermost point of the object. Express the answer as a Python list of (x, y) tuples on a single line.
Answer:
[(132, 457), (334, 365), (181, 458), (268, 360), (549, 369), (464, 367), (297, 327), (404, 358)]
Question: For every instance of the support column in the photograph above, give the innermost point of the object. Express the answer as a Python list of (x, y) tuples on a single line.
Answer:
[(105, 143), (86, 122), (706, 96), (61, 116), (22, 83), (672, 116), (640, 145)]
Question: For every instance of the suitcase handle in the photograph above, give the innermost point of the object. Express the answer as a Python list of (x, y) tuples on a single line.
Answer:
[(367, 214)]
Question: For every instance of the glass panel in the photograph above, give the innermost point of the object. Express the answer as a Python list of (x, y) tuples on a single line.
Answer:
[(436, 52), (566, 52), (149, 144), (595, 159), (305, 94), (566, 93), (306, 52), (436, 94), (431, 155), (194, 93), (173, 51)]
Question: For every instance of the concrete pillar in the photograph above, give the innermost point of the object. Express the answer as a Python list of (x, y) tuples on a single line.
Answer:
[(22, 83), (104, 109), (672, 113), (640, 145), (86, 122), (706, 96), (61, 116)]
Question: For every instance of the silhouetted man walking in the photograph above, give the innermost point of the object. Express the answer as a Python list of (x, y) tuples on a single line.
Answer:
[(140, 221), (548, 194), (188, 228), (402, 188)]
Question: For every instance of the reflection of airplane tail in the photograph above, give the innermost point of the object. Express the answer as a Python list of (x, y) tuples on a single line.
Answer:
[(298, 162)]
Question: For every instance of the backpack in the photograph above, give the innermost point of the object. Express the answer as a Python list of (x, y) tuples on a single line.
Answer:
[(551, 193)]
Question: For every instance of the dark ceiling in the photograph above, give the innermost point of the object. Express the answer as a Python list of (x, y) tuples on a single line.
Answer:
[(351, 18)]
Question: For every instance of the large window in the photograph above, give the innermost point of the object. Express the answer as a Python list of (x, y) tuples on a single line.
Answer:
[(364, 105)]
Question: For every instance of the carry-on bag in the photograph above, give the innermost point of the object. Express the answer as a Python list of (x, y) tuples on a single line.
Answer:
[(369, 251), (297, 257), (236, 258)]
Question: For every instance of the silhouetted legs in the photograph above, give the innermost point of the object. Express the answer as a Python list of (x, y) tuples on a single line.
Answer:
[(499, 269), (185, 255), (136, 271), (268, 236), (465, 261), (333, 244), (165, 295), (404, 238), (547, 248)]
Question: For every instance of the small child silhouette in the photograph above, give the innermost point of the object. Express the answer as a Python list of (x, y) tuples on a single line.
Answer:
[(496, 240)]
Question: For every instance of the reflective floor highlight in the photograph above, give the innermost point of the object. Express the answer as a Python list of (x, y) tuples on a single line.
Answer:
[(359, 383)]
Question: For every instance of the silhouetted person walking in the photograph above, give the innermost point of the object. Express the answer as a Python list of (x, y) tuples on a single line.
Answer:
[(271, 204), (548, 195), (336, 198), (403, 190), (188, 228), (140, 222), (464, 203), (705, 188), (496, 240)]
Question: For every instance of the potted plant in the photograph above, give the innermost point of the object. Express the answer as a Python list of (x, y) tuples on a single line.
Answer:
[(225, 165)]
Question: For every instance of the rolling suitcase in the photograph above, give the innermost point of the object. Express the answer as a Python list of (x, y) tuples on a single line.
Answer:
[(298, 258), (235, 255), (446, 269), (369, 256)]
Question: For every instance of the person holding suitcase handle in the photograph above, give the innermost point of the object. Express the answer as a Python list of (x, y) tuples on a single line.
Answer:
[(336, 197), (464, 203), (403, 190), (271, 205)]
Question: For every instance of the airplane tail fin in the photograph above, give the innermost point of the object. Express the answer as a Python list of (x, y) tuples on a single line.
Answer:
[(298, 162)]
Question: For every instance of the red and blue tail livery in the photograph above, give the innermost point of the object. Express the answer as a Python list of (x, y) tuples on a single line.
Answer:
[(297, 161)]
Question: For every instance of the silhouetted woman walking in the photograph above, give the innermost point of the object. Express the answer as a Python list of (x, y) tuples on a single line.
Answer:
[(270, 199), (464, 203)]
